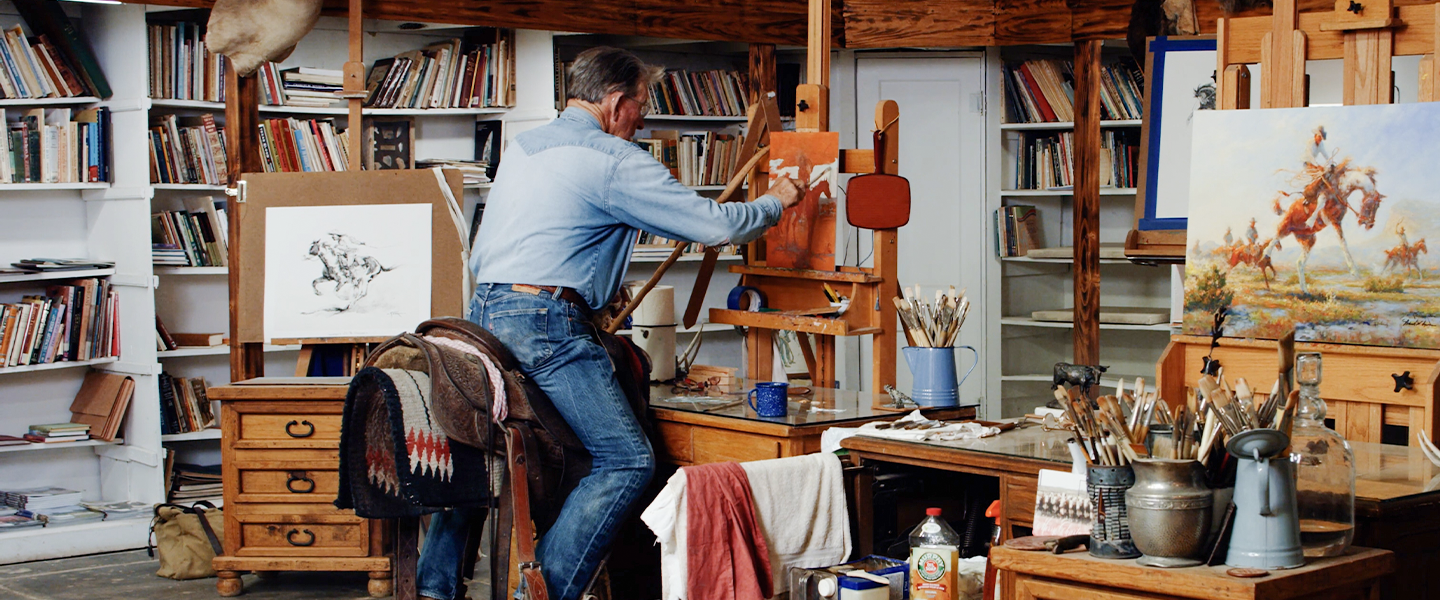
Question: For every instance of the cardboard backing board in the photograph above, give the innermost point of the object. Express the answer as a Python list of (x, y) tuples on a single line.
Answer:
[(419, 186)]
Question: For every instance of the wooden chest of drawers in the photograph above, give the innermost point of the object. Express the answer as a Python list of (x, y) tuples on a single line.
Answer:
[(281, 460)]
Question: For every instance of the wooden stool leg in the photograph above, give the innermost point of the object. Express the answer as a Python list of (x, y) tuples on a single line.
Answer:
[(382, 584), (407, 557), (228, 584)]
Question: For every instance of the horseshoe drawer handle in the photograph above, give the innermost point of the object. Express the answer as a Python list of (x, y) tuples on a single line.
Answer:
[(309, 541), (290, 429), (299, 477)]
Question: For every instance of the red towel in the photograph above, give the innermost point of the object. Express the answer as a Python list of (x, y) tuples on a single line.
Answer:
[(728, 556)]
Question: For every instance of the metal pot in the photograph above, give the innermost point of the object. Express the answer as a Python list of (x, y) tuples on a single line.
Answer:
[(1110, 529), (1169, 510)]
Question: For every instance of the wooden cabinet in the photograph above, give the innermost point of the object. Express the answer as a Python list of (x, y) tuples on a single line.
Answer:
[(1079, 576), (281, 460)]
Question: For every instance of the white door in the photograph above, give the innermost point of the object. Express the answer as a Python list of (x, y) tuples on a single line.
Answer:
[(942, 153)]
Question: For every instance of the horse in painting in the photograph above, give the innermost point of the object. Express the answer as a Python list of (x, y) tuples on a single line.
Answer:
[(1407, 258), (1330, 193)]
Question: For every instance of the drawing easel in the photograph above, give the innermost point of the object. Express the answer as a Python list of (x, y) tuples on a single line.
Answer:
[(1358, 383), (869, 288)]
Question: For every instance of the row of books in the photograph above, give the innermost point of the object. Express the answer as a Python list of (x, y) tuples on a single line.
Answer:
[(1043, 91), (1046, 160), (188, 150), (57, 62), (453, 73), (698, 158), (55, 145), (651, 246), (1017, 230), (181, 67), (195, 237), (71, 322), (294, 145), (307, 87), (702, 93), (184, 405)]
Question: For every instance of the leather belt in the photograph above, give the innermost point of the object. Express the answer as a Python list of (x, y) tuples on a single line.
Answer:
[(566, 294)]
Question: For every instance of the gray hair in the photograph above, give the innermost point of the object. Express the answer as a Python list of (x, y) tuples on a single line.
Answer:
[(601, 71)]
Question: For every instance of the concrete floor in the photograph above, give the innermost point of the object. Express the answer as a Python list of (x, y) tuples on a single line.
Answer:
[(131, 576)]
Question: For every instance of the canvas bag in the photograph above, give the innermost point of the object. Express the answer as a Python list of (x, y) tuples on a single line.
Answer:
[(187, 538)]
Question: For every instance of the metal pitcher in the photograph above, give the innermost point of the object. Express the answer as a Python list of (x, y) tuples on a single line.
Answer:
[(1266, 534), (1169, 510)]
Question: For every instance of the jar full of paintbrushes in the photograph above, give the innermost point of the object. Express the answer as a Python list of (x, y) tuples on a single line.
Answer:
[(932, 331)]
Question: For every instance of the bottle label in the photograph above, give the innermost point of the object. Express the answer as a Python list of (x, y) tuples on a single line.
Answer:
[(930, 528), (930, 567)]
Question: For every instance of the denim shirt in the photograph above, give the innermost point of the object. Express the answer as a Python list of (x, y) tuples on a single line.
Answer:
[(567, 202)]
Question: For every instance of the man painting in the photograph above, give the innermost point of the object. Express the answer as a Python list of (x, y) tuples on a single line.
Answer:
[(560, 224)]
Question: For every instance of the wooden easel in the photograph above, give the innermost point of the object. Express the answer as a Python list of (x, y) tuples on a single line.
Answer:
[(1358, 384), (869, 289)]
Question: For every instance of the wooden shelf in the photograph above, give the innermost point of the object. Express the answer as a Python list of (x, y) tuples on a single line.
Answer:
[(48, 101), (769, 320), (37, 543), (56, 275), (192, 270), (204, 434), (68, 364), (836, 276), (1066, 125), (58, 445), (1029, 322)]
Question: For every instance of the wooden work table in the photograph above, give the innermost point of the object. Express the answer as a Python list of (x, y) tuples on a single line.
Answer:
[(697, 429), (1079, 576), (1397, 505)]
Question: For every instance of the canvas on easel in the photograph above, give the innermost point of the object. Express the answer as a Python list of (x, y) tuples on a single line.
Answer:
[(348, 257), (805, 236)]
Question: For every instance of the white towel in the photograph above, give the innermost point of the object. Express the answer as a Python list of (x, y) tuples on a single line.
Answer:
[(800, 503), (666, 518)]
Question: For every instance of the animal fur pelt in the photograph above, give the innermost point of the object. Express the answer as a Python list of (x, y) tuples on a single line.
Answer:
[(253, 32), (1150, 18)]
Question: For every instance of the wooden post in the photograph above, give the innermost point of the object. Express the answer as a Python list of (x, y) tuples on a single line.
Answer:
[(1087, 202), (242, 140), (887, 261), (355, 84)]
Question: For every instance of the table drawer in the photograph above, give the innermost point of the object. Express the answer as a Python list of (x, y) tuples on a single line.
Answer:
[(293, 430), (287, 485), (718, 445), (302, 538), (1019, 499)]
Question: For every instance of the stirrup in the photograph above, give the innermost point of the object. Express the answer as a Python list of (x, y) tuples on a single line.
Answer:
[(599, 586)]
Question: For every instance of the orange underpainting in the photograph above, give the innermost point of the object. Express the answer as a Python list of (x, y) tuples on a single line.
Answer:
[(805, 236)]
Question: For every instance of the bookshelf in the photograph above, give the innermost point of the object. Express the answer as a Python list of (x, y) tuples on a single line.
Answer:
[(111, 221), (1029, 348)]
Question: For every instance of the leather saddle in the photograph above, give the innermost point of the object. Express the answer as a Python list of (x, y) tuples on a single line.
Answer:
[(543, 458)]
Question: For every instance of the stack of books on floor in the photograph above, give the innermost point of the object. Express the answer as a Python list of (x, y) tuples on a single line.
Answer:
[(292, 145), (450, 74), (181, 68), (473, 171), (184, 405), (71, 322), (697, 158), (192, 483), (1042, 91), (55, 145), (702, 93), (58, 433), (1017, 230), (195, 237), (187, 150)]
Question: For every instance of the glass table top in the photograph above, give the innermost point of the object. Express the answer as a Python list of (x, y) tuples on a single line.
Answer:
[(823, 406)]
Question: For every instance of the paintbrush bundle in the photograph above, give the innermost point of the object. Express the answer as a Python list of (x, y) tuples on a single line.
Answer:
[(1113, 430), (932, 325)]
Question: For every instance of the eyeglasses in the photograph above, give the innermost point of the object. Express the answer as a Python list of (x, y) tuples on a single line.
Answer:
[(644, 106)]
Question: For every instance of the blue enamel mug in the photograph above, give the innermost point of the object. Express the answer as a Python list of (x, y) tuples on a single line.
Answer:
[(769, 398)]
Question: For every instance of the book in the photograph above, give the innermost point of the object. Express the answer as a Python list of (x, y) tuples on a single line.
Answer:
[(198, 339), (122, 509), (40, 497), (474, 72), (59, 428), (10, 440), (47, 18), (101, 403)]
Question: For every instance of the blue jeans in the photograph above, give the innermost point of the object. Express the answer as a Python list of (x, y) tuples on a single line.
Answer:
[(558, 349)]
